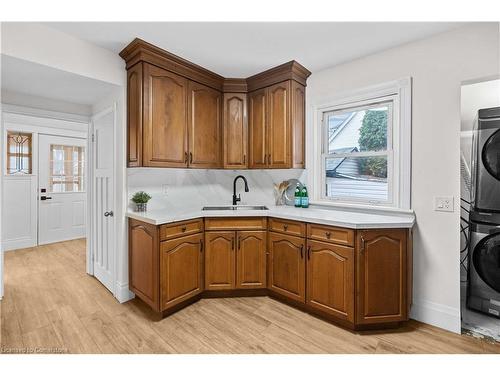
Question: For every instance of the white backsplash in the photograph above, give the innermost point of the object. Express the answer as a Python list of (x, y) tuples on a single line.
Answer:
[(177, 188)]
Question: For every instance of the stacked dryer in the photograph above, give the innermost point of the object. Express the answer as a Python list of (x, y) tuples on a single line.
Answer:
[(484, 219)]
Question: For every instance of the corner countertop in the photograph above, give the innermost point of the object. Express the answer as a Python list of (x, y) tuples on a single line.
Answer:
[(337, 217)]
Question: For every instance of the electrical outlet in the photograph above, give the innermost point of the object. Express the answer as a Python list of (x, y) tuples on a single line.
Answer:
[(443, 204), (164, 188)]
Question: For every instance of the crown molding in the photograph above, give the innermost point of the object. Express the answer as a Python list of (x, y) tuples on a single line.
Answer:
[(139, 50), (290, 70)]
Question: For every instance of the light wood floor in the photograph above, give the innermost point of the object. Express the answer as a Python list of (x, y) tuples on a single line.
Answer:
[(51, 305)]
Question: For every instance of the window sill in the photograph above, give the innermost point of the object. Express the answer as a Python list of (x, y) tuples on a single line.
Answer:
[(361, 207)]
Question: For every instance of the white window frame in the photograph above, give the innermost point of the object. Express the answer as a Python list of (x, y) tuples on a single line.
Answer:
[(399, 136)]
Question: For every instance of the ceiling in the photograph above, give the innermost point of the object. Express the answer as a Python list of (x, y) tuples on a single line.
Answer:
[(245, 48), (33, 79)]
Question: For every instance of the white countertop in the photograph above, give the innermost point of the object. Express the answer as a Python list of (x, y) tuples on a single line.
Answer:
[(336, 217)]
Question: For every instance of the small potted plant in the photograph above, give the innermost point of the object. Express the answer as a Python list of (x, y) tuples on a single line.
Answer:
[(141, 199)]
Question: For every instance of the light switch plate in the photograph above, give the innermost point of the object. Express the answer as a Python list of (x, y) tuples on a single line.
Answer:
[(444, 204)]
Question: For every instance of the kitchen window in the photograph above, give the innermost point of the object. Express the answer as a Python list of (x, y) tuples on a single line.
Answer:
[(363, 149)]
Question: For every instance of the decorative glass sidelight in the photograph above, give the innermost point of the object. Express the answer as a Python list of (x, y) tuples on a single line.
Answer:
[(19, 153)]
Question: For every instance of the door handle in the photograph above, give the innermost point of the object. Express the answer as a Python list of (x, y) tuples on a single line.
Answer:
[(362, 248), (232, 243), (190, 157), (302, 251), (201, 246), (185, 157), (244, 159), (309, 253), (238, 241), (109, 213)]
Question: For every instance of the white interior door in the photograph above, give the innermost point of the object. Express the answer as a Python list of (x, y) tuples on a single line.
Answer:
[(103, 198), (62, 188)]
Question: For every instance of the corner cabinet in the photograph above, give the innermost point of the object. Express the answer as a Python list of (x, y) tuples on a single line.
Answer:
[(181, 115), (277, 126), (204, 119), (166, 262)]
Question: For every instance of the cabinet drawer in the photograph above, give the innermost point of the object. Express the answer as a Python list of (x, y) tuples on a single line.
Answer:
[(294, 228), (327, 233), (181, 228), (235, 223)]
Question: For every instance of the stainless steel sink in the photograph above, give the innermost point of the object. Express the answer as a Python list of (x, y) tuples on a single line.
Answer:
[(233, 208)]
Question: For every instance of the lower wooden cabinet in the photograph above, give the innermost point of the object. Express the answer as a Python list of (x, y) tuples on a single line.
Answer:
[(382, 276), (330, 279), (363, 282), (181, 269), (143, 262), (287, 266), (220, 260), (235, 260), (251, 260)]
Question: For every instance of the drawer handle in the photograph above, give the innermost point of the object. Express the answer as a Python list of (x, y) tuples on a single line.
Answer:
[(328, 234), (302, 251), (183, 229), (285, 227)]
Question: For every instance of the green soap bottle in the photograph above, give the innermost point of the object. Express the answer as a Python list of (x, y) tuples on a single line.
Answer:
[(304, 199), (298, 196)]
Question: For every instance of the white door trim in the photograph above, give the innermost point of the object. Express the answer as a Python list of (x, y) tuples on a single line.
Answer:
[(90, 207)]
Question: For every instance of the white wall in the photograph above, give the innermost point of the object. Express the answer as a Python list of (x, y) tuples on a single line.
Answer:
[(47, 46), (438, 66), (31, 101)]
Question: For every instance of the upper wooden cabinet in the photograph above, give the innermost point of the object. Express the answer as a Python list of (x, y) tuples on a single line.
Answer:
[(182, 115), (277, 126), (204, 119), (235, 127), (165, 119)]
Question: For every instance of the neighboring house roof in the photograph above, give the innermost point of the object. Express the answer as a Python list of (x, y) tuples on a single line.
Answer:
[(333, 164), (337, 123)]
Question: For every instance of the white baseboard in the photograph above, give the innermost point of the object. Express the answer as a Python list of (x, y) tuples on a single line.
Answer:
[(122, 293), (435, 314)]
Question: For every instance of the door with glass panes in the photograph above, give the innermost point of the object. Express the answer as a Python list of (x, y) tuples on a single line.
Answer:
[(61, 183)]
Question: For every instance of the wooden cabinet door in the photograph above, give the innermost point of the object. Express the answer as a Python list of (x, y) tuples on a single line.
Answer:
[(235, 131), (330, 279), (220, 260), (134, 116), (143, 262), (286, 275), (278, 126), (251, 259), (381, 279), (257, 129), (165, 118), (181, 269), (204, 126), (298, 120)]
